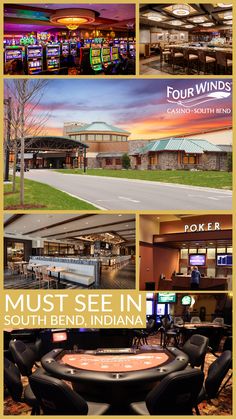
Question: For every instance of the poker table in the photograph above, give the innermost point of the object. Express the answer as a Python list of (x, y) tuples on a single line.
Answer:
[(114, 375), (214, 332)]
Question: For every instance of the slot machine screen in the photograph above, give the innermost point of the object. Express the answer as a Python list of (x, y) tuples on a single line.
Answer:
[(14, 54), (34, 52), (95, 52), (52, 51), (149, 307), (160, 309)]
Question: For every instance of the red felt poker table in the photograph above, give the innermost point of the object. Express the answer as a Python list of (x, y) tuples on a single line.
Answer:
[(112, 374)]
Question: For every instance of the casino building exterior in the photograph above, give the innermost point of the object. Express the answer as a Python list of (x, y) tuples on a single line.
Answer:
[(106, 143), (99, 145)]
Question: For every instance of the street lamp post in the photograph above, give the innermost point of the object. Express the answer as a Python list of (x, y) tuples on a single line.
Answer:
[(8, 139)]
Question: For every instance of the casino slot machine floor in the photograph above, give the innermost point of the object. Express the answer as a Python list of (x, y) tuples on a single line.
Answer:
[(101, 365)]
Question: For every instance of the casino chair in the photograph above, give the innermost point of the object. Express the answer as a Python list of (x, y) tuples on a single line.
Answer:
[(141, 335), (55, 397), (196, 348), (13, 383), (176, 394), (23, 356), (195, 319), (216, 374), (219, 320)]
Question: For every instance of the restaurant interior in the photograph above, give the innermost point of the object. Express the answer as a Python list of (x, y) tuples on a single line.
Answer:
[(186, 38), (74, 39), (43, 251), (184, 353), (173, 245)]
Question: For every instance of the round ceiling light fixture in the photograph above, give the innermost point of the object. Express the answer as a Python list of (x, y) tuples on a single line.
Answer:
[(208, 24), (189, 26), (72, 18), (180, 10), (224, 5), (175, 22), (198, 19), (228, 15)]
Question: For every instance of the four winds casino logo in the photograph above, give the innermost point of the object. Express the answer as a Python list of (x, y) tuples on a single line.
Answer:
[(199, 94)]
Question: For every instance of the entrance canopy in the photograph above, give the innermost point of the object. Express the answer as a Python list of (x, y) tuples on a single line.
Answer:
[(46, 143)]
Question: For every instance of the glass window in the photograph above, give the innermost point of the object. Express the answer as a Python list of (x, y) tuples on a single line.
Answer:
[(190, 159), (106, 137), (118, 162), (92, 137), (108, 161)]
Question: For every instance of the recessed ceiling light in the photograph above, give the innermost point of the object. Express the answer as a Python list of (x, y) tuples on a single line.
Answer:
[(189, 26), (120, 215)]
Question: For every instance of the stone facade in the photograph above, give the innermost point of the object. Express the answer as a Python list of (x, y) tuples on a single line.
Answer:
[(215, 161), (172, 161)]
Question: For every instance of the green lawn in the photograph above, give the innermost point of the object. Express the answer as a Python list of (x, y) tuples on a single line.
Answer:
[(41, 196), (210, 179)]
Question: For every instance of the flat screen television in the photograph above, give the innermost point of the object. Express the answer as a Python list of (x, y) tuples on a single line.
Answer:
[(197, 259), (224, 259), (166, 297)]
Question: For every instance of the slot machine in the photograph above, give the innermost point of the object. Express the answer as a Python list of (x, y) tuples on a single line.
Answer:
[(96, 59), (115, 55), (53, 57), (131, 47), (123, 47), (34, 59), (106, 56), (14, 52), (65, 49), (73, 49)]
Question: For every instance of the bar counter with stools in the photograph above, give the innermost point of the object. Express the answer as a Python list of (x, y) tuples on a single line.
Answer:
[(186, 38), (196, 59)]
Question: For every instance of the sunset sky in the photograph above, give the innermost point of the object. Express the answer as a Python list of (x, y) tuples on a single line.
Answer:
[(138, 106)]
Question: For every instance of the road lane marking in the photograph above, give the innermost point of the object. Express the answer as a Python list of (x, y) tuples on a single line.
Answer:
[(125, 198)]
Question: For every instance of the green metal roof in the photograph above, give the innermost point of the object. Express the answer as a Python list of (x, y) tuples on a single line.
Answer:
[(98, 126), (179, 144)]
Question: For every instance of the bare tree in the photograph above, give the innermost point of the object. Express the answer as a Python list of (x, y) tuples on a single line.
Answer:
[(26, 119)]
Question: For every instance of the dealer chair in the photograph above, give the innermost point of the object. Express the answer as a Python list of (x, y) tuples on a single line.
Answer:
[(176, 394), (196, 348), (57, 398), (216, 374), (23, 356), (13, 383)]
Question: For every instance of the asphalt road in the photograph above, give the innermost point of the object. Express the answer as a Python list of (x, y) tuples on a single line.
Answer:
[(127, 194)]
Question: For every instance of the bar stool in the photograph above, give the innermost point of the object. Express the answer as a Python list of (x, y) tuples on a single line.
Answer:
[(191, 58), (177, 56), (206, 61), (224, 60), (165, 55)]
